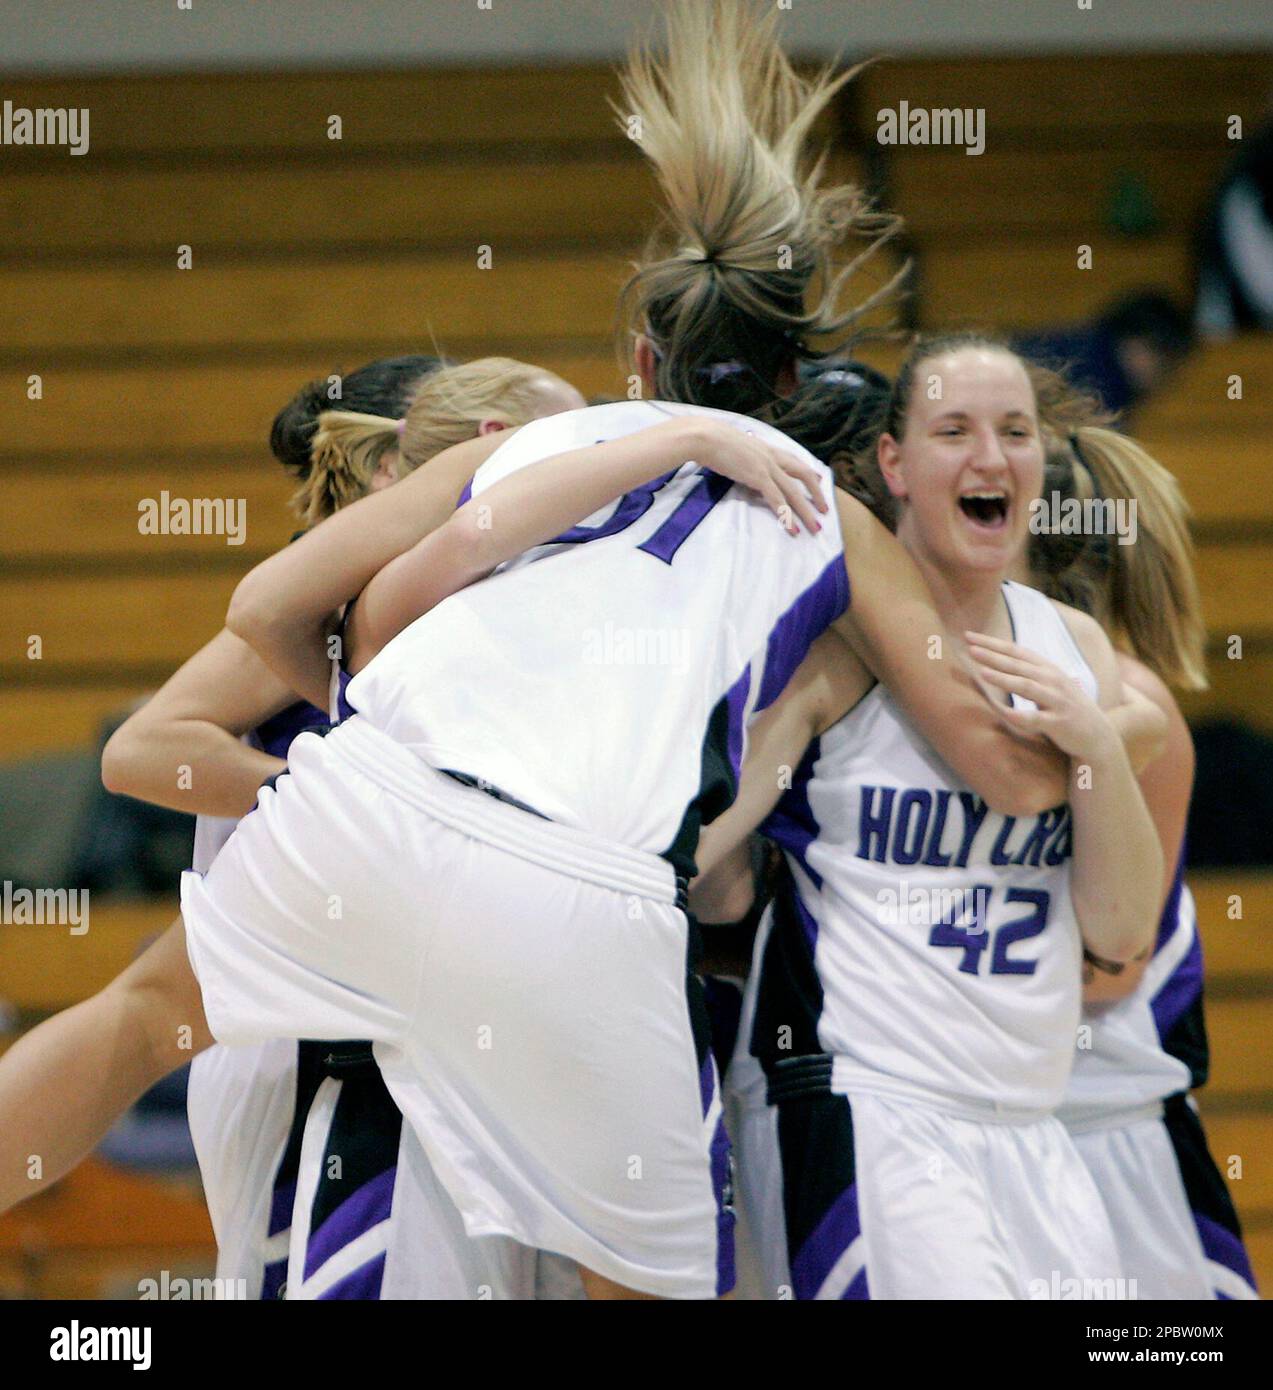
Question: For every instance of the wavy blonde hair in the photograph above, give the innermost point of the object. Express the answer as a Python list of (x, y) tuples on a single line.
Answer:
[(445, 409)]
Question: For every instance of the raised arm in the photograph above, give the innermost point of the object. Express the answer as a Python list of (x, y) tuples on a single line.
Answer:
[(893, 626), (287, 606), (541, 501), (182, 749)]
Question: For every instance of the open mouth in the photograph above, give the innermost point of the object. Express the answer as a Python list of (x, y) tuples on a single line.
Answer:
[(988, 509)]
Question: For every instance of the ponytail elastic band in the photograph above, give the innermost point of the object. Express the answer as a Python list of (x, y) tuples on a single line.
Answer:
[(400, 426)]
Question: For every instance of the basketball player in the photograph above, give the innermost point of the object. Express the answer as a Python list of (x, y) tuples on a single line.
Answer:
[(911, 1015), (1143, 1046), (493, 939), (255, 1112)]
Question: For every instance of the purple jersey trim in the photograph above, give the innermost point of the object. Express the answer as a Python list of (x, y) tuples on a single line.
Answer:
[(791, 825), (795, 632), (466, 495), (276, 734)]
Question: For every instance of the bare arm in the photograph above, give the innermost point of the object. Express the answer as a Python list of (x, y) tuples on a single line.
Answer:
[(1167, 785), (182, 749), (894, 627), (540, 502), (285, 608)]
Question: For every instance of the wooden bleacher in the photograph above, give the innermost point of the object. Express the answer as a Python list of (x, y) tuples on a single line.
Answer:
[(312, 255)]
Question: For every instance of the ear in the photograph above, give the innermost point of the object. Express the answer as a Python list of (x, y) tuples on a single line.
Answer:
[(388, 466), (490, 427), (888, 455), (646, 363)]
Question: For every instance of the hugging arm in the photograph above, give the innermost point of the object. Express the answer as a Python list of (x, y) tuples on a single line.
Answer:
[(182, 749), (539, 502)]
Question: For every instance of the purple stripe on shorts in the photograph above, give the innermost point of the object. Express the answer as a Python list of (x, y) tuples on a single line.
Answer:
[(720, 1154), (274, 1278), (363, 1283), (1180, 990), (794, 633), (358, 1213), (858, 1290), (1221, 1245), (832, 1236), (281, 1204)]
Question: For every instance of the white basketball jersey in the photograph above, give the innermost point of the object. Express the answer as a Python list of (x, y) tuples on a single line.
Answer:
[(606, 679), (942, 935), (1151, 1044)]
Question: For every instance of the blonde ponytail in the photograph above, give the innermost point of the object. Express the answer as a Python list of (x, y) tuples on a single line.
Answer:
[(344, 454), (721, 290), (1144, 593)]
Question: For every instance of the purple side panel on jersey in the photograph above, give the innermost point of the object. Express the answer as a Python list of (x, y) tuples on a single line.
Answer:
[(722, 1182), (791, 825), (367, 1207), (1181, 989), (735, 704), (466, 495), (1170, 918), (1221, 1245), (832, 1236), (343, 708), (363, 1284), (276, 734), (795, 632)]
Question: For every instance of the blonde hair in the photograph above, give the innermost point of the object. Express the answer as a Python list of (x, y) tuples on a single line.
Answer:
[(1144, 594), (721, 288), (445, 409)]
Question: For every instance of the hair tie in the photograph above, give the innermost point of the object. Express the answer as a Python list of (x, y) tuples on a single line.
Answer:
[(400, 426)]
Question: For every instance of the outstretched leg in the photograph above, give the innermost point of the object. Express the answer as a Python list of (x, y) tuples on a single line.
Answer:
[(63, 1084)]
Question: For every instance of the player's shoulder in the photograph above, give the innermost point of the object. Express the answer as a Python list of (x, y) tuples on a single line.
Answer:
[(1139, 677)]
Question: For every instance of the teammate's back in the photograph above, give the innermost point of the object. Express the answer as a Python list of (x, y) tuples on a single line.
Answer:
[(668, 618)]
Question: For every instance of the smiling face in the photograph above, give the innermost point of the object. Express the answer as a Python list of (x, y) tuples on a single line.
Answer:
[(969, 462)]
